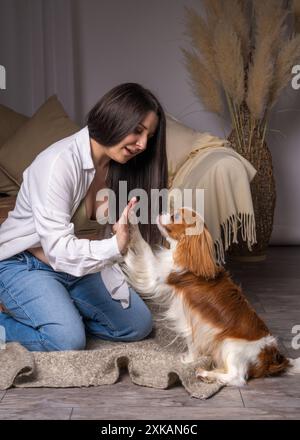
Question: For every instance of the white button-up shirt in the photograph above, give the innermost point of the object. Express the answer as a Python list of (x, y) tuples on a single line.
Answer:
[(53, 186)]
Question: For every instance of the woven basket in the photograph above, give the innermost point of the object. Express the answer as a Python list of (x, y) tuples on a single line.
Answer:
[(263, 192)]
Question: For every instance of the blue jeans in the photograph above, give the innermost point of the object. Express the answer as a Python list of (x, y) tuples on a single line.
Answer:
[(50, 311)]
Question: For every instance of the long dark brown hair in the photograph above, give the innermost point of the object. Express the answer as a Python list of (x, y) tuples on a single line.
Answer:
[(118, 114)]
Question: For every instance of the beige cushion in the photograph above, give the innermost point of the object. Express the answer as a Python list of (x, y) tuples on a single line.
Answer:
[(49, 124), (180, 141), (10, 122)]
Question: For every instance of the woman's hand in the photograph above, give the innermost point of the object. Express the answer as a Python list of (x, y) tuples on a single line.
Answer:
[(121, 228)]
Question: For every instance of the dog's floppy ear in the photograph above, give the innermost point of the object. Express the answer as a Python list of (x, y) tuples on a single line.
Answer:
[(196, 253)]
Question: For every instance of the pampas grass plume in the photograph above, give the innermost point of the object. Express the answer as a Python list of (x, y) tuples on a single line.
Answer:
[(229, 61), (260, 77), (201, 39), (203, 83)]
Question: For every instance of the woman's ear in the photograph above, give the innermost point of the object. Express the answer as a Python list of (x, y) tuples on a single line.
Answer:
[(196, 253)]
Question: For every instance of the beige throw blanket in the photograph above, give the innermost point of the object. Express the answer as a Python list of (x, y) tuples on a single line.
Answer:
[(225, 176)]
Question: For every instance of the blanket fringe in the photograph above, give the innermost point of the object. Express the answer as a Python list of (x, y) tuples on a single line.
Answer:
[(243, 221)]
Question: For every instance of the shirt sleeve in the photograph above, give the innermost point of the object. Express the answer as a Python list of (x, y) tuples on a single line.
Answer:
[(51, 200)]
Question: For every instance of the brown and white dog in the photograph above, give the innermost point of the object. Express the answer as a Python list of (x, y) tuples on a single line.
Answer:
[(203, 304)]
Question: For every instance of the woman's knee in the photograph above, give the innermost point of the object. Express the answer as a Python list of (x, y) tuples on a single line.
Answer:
[(142, 324), (62, 337), (141, 331), (132, 324)]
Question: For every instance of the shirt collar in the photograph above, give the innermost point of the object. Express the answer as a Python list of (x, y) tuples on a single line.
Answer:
[(84, 148)]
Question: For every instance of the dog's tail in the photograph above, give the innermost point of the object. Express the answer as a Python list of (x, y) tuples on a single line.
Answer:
[(294, 367)]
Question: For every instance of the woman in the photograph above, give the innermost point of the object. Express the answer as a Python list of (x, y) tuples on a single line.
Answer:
[(51, 282)]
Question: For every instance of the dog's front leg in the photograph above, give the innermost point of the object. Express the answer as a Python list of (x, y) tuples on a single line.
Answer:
[(139, 263)]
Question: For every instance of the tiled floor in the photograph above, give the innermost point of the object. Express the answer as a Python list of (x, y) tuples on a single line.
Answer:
[(273, 287)]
